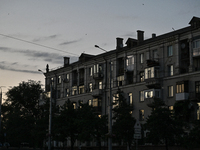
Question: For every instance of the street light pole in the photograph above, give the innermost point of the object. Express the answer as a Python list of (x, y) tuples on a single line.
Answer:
[(110, 106), (50, 115)]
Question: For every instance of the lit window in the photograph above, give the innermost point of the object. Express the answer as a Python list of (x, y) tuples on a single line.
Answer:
[(90, 71), (141, 96), (170, 91), (197, 87), (152, 72), (95, 102), (100, 85), (142, 76), (170, 50), (90, 102), (59, 79), (66, 92), (130, 97), (90, 87), (67, 76), (198, 111), (81, 89), (171, 70), (74, 104), (148, 94), (180, 88), (141, 115), (74, 90), (141, 58), (115, 100), (120, 80)]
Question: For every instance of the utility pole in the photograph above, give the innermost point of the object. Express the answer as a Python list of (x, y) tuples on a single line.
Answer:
[(110, 105)]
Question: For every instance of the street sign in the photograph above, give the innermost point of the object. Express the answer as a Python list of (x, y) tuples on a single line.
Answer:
[(137, 129), (137, 136)]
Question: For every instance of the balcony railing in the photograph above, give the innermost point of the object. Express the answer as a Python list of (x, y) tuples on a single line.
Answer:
[(151, 63), (182, 96), (98, 75), (153, 83), (97, 92)]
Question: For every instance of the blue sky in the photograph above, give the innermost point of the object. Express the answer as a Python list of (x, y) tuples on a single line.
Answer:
[(34, 33)]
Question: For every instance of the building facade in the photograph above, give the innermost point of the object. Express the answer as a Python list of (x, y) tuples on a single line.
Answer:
[(165, 66)]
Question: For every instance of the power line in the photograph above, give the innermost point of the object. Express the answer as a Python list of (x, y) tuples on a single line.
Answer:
[(37, 44)]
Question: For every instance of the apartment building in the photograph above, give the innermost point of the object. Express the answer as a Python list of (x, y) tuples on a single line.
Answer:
[(165, 66)]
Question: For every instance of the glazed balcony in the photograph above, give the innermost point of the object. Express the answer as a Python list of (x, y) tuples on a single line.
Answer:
[(182, 96)]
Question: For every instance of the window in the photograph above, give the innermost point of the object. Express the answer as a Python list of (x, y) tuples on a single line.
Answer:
[(141, 114), (90, 71), (152, 93), (142, 58), (198, 111), (120, 79), (52, 82), (81, 89), (196, 44), (170, 91), (130, 60), (180, 88), (90, 87), (171, 70), (115, 100), (67, 76), (58, 94), (74, 90), (95, 102), (170, 50), (59, 79), (197, 87), (66, 92), (100, 85), (148, 94), (112, 66), (155, 54), (74, 104), (141, 96), (142, 76), (147, 55), (90, 102), (97, 68), (152, 72), (130, 98)]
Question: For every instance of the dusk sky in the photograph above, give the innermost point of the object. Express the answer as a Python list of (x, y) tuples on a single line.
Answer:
[(34, 33)]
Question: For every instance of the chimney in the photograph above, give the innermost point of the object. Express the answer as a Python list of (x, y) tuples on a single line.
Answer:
[(153, 35), (66, 61), (140, 35), (119, 43)]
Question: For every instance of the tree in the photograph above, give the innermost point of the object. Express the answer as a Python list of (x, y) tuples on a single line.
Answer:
[(162, 126), (21, 111), (123, 126), (90, 125), (66, 125)]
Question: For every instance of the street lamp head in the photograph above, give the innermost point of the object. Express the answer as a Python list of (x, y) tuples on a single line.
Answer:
[(96, 46)]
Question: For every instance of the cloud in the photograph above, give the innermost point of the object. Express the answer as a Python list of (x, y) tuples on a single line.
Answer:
[(35, 55), (45, 38), (69, 42), (9, 66)]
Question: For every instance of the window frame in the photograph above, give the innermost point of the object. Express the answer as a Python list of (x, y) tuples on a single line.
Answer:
[(171, 91), (170, 50)]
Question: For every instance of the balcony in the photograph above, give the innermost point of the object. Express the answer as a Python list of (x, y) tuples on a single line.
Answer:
[(151, 63), (182, 96), (97, 109), (98, 75), (97, 92), (153, 83), (196, 52)]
